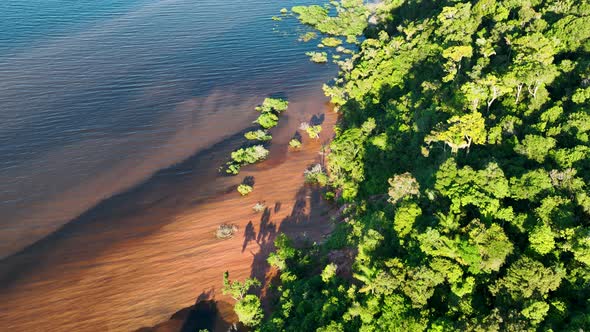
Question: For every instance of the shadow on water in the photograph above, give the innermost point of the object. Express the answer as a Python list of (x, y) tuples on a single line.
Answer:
[(203, 315)]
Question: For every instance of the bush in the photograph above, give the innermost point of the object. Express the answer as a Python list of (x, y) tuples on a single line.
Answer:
[(248, 306), (259, 207), (312, 131), (273, 104), (276, 18), (284, 11), (226, 231), (316, 174), (258, 135), (267, 120), (249, 155), (331, 41), (318, 57), (308, 36), (295, 143), (244, 189), (245, 156), (249, 310)]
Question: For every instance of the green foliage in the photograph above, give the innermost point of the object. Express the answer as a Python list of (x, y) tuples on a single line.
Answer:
[(317, 57), (329, 272), (312, 131), (244, 189), (402, 185), (295, 143), (311, 15), (472, 118), (308, 36), (331, 42), (246, 156), (267, 120), (270, 110), (248, 306), (536, 147), (258, 135), (237, 290), (249, 310), (316, 174), (284, 251), (273, 105)]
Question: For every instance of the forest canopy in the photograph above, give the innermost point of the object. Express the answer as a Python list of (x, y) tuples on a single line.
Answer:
[(462, 159)]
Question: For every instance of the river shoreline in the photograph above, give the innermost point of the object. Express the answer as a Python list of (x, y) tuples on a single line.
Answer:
[(142, 256)]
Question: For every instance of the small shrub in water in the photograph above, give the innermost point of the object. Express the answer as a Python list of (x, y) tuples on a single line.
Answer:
[(226, 231), (249, 155), (267, 120), (259, 207), (308, 36), (276, 18), (273, 104), (295, 143), (318, 57), (244, 189), (312, 131), (284, 11), (331, 41), (258, 135), (245, 156)]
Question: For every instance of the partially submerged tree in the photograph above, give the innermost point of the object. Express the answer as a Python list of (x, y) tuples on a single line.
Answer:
[(247, 307)]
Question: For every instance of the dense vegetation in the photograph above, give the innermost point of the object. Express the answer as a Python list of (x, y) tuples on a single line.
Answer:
[(463, 162)]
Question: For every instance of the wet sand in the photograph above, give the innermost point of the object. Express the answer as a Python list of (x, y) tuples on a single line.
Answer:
[(141, 256)]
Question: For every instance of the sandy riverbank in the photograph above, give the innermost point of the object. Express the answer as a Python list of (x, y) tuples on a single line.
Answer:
[(143, 256)]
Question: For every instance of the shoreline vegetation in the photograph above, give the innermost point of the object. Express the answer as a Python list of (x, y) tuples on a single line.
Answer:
[(269, 110), (461, 164)]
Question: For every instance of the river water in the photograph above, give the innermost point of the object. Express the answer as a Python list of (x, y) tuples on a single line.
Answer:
[(96, 96), (133, 99)]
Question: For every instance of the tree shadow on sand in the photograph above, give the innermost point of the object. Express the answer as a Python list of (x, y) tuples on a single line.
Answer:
[(203, 315), (308, 221)]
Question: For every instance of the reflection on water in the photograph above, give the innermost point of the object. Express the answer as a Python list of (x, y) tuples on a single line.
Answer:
[(97, 96)]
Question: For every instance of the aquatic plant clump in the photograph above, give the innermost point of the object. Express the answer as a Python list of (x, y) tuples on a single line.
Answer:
[(244, 189), (245, 156), (295, 143), (258, 135), (267, 120), (312, 131), (311, 15), (259, 207), (308, 36), (273, 104), (226, 231), (317, 57), (331, 42), (250, 155), (351, 20), (270, 110)]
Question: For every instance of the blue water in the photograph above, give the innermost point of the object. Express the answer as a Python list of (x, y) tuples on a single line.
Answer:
[(96, 96)]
